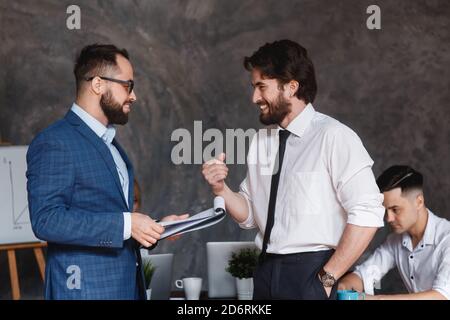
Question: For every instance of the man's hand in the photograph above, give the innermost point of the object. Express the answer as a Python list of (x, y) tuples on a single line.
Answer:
[(351, 281), (343, 286), (144, 229), (215, 171), (174, 217)]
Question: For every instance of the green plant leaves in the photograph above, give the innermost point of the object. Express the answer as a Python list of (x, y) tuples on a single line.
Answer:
[(149, 270), (243, 263)]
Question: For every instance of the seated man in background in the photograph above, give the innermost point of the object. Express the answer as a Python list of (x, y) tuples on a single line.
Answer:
[(419, 245)]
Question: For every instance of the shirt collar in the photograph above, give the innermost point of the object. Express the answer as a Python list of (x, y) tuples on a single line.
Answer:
[(428, 235), (430, 230), (107, 134), (301, 122)]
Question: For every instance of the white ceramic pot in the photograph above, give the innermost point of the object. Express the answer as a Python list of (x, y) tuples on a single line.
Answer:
[(149, 294), (244, 288)]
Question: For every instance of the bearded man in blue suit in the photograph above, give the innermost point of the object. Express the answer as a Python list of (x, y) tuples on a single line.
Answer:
[(80, 188)]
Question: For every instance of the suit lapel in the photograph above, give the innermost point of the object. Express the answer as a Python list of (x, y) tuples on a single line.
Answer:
[(130, 174), (99, 145)]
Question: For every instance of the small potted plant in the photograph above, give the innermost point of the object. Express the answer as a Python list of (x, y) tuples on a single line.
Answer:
[(241, 266), (149, 270)]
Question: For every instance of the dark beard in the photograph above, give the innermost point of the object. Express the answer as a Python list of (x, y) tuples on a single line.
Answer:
[(112, 109), (277, 111)]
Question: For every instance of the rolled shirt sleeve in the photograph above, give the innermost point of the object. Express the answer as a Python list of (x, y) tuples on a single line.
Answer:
[(350, 169), (249, 223), (442, 281), (377, 265), (361, 199)]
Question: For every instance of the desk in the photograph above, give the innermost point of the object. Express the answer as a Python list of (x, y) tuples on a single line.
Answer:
[(179, 295)]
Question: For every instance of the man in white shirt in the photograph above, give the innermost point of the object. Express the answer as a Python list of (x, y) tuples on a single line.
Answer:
[(316, 215), (419, 246)]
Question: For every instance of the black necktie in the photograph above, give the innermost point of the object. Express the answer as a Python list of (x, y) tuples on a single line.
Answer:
[(283, 135)]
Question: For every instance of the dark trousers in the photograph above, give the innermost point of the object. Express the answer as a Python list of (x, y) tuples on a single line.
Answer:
[(291, 277)]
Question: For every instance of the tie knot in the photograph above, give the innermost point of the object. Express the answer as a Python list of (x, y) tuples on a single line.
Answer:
[(284, 134)]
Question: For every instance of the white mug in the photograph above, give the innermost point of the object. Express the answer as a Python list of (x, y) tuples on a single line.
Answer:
[(192, 287)]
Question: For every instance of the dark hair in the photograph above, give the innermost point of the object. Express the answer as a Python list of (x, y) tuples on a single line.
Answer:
[(403, 177), (286, 60), (94, 60)]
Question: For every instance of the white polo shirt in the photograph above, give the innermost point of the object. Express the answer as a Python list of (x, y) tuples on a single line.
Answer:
[(425, 267), (326, 181)]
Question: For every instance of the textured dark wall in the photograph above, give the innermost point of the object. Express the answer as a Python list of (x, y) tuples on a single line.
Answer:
[(389, 85)]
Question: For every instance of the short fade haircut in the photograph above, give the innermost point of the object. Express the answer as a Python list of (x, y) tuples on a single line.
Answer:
[(403, 177), (286, 60), (95, 60)]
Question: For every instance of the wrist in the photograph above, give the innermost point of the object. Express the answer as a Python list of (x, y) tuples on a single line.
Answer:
[(327, 278), (222, 193), (333, 269)]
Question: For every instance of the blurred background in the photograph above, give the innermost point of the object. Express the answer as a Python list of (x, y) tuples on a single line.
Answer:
[(391, 86)]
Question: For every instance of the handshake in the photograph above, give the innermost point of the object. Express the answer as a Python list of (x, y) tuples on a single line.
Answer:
[(147, 231)]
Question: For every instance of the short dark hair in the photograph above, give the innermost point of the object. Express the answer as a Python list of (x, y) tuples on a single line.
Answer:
[(94, 60), (403, 177), (286, 60)]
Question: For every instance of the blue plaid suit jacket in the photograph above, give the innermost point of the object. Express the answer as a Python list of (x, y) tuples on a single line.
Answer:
[(76, 204)]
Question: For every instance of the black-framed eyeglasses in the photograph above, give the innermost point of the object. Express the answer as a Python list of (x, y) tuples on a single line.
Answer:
[(129, 84)]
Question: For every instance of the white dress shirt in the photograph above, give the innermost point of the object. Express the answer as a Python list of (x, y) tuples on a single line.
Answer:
[(326, 181), (107, 135), (425, 267)]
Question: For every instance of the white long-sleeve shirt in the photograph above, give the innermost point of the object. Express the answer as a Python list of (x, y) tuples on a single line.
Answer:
[(326, 181)]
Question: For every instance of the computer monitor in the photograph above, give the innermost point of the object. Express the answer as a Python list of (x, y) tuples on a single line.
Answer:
[(161, 283), (221, 284)]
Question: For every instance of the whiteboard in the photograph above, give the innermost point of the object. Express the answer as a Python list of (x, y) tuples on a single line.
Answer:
[(15, 226)]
